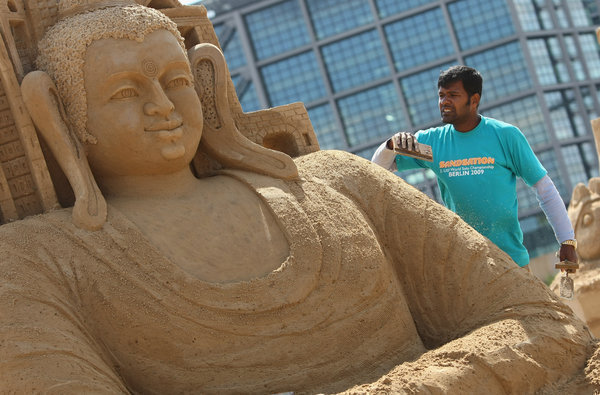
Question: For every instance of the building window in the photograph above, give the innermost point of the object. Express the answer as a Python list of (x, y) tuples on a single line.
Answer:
[(233, 51), (326, 129), (550, 163), (391, 7), (588, 102), (480, 22), (504, 71), (246, 92), (231, 45), (583, 14), (533, 15), (355, 61), (591, 53), (538, 236), (249, 100), (574, 58), (330, 17), (219, 29), (366, 153), (421, 94), (526, 197), (564, 114), (548, 60), (527, 115), (277, 29), (293, 79), (560, 13), (419, 39), (592, 13), (580, 163), (371, 115)]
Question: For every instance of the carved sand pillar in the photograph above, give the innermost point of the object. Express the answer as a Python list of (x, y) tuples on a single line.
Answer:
[(25, 185)]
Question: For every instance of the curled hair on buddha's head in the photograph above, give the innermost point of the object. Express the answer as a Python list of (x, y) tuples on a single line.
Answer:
[(63, 48)]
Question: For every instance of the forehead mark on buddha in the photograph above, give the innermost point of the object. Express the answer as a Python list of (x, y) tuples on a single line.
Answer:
[(149, 68)]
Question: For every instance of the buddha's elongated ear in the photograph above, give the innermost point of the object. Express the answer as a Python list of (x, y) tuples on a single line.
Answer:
[(45, 107), (220, 138)]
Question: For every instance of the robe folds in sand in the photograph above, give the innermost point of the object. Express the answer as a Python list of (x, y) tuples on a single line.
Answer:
[(376, 273)]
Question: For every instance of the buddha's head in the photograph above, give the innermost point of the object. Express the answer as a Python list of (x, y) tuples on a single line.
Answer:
[(584, 212), (117, 89), (124, 79)]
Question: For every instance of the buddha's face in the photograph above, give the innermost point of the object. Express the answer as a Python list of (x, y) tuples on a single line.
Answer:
[(588, 231), (142, 106)]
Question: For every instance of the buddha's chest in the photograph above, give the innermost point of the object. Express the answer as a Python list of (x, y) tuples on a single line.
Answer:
[(228, 242), (331, 306), (304, 324)]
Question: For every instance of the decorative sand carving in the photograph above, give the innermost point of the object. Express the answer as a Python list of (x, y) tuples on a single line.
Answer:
[(584, 212), (250, 272)]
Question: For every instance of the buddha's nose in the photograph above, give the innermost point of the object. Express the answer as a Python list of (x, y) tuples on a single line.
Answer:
[(159, 104)]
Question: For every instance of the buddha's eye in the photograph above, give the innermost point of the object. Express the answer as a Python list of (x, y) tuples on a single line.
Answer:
[(178, 82), (124, 93)]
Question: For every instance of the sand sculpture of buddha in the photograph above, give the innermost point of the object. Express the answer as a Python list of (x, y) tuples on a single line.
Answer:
[(323, 273), (584, 212)]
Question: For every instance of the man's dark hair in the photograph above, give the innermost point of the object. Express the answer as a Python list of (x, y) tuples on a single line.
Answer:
[(471, 79)]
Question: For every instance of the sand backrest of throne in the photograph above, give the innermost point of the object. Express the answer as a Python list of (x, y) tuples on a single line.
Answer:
[(31, 181)]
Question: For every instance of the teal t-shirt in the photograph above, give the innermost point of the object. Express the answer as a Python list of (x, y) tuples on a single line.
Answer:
[(476, 173)]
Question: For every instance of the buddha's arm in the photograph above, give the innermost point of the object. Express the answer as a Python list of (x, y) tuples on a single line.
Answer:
[(45, 346), (483, 317)]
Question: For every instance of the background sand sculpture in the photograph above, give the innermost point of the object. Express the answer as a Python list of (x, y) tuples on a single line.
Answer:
[(584, 212), (372, 280)]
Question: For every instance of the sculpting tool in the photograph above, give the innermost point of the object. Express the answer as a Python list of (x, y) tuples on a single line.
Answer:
[(419, 151)]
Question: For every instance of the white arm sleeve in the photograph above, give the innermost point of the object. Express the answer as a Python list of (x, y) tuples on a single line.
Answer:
[(554, 208), (385, 157)]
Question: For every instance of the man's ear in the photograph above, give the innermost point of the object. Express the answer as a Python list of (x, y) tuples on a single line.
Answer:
[(220, 137), (476, 99), (45, 107)]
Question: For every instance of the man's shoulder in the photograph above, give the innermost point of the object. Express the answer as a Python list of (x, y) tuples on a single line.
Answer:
[(435, 132), (503, 130), (500, 125)]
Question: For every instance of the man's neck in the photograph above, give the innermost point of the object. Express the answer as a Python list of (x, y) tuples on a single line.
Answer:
[(468, 125)]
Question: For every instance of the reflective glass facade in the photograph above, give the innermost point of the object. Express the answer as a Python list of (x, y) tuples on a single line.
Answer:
[(355, 61), (368, 68)]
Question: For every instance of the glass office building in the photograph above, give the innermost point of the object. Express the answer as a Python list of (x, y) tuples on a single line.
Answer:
[(368, 68)]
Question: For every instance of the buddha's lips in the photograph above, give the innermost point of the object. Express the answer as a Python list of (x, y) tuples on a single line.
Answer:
[(164, 126), (172, 134)]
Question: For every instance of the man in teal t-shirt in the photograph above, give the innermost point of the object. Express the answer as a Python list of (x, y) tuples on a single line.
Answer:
[(476, 160)]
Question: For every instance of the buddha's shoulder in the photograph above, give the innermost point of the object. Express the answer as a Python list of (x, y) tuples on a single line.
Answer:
[(34, 228), (332, 164)]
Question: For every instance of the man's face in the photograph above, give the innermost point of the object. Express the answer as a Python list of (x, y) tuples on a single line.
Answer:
[(455, 105), (142, 106)]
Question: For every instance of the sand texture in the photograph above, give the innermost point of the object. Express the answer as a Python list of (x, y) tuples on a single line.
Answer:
[(253, 272), (377, 274)]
